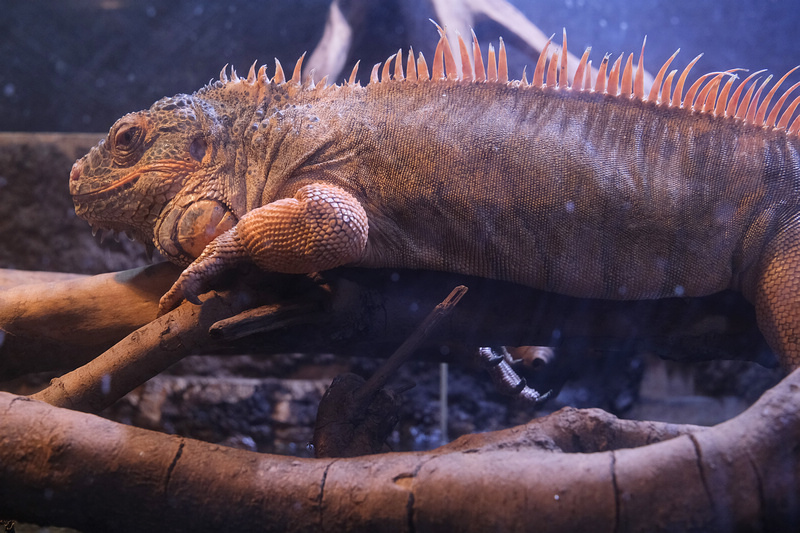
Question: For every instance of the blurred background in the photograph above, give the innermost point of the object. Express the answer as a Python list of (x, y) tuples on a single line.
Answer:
[(78, 65)]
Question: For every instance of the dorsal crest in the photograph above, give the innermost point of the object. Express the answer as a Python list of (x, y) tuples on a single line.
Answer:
[(713, 93)]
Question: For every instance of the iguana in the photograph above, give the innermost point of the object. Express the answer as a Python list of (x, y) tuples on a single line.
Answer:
[(594, 189)]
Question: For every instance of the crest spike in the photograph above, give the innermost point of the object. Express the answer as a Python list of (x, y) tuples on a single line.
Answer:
[(733, 103), (279, 76), (638, 80), (524, 79), (297, 68), (373, 77), (794, 129), (502, 63), (480, 70), (234, 77), (491, 74), (789, 110), (538, 73), (774, 113), (443, 50), (627, 78), (667, 89), (411, 69), (223, 74), (322, 83), (309, 83), (466, 66), (398, 66), (587, 78), (577, 82), (438, 62), (613, 77), (741, 112), (563, 73), (422, 68), (353, 74), (251, 76), (708, 96), (719, 109), (262, 75), (552, 71), (753, 107), (600, 83), (449, 60), (677, 96), (689, 100), (762, 110), (386, 65), (656, 90)]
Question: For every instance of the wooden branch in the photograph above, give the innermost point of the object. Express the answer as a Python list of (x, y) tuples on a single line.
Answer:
[(356, 416), (87, 309), (56, 321), (11, 277), (72, 469), (141, 355), (404, 352)]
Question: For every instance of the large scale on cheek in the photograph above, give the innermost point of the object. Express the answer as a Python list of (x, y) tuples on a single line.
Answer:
[(185, 233)]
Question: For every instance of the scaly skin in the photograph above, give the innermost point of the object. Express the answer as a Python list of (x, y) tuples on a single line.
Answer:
[(576, 192)]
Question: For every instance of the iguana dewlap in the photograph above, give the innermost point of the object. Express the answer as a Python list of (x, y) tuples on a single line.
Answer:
[(593, 190)]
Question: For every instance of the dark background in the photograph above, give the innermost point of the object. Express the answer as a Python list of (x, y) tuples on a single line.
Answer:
[(78, 65)]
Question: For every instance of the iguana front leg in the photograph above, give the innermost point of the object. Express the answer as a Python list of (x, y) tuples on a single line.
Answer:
[(321, 227)]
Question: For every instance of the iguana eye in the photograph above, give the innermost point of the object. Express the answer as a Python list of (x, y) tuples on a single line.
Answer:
[(128, 139)]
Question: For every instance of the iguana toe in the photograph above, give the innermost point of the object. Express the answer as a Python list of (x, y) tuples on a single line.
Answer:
[(222, 253)]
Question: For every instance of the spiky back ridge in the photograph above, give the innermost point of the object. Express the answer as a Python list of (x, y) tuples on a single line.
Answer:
[(706, 95)]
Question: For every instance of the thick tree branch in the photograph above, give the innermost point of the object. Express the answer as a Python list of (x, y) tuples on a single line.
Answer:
[(54, 321), (141, 355), (69, 468)]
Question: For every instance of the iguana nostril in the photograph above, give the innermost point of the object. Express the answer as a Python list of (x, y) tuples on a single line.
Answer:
[(76, 171)]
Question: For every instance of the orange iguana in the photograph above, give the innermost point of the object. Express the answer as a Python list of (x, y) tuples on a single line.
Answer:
[(596, 190)]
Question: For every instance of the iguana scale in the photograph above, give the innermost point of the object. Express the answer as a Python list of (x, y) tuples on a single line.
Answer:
[(595, 189)]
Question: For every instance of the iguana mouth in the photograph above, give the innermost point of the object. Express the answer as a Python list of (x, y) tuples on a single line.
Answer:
[(171, 167)]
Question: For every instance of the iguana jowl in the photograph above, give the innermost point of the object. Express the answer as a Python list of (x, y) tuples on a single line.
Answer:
[(594, 190)]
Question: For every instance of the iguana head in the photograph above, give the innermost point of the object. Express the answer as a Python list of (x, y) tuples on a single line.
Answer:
[(154, 177)]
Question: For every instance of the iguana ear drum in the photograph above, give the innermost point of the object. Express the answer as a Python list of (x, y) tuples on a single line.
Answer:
[(184, 233), (198, 149)]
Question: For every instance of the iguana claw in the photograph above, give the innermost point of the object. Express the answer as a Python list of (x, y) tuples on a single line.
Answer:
[(506, 380), (220, 254), (179, 291)]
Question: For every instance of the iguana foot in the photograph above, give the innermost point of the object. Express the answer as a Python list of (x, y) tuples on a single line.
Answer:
[(222, 253), (507, 381)]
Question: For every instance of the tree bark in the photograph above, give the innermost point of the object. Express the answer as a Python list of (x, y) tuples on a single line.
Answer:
[(73, 469), (55, 321)]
